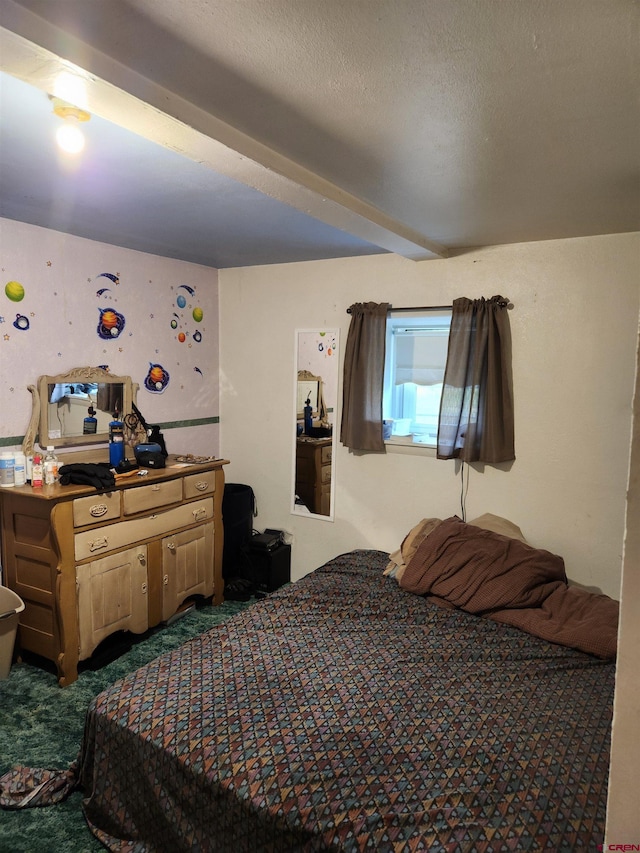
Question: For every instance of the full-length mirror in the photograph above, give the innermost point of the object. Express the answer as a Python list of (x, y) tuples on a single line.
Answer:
[(76, 407), (315, 408)]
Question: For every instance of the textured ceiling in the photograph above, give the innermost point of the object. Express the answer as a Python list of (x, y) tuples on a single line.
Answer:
[(131, 192), (294, 129)]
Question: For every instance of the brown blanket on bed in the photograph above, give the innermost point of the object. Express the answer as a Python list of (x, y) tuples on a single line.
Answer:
[(509, 581)]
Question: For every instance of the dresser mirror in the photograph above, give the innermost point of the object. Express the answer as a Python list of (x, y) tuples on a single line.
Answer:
[(75, 408), (316, 391), (309, 389)]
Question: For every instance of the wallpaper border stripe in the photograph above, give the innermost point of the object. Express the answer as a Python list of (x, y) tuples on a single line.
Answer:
[(11, 440)]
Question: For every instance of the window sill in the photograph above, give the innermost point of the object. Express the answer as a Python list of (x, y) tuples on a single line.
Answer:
[(406, 445)]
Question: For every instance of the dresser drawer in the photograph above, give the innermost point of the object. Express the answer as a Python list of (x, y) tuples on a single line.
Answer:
[(153, 496), (96, 508), (197, 485), (326, 454), (122, 534)]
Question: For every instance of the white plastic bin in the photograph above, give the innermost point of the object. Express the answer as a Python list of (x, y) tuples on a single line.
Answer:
[(10, 605)]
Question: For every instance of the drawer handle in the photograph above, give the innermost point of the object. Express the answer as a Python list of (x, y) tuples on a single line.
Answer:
[(165, 580), (155, 488), (202, 485), (141, 559), (171, 546), (98, 510), (143, 589), (199, 513), (99, 544)]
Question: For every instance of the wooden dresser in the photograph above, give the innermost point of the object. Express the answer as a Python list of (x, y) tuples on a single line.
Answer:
[(313, 473), (88, 563)]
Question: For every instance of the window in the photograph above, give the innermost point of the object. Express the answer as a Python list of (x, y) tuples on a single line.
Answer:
[(415, 359)]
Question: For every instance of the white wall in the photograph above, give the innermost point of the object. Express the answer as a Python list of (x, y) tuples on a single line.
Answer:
[(574, 330), (623, 816), (65, 290)]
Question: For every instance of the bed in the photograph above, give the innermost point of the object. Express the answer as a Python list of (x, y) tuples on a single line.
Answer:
[(346, 713)]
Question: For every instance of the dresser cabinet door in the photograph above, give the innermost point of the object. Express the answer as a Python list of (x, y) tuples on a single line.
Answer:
[(187, 566), (112, 596)]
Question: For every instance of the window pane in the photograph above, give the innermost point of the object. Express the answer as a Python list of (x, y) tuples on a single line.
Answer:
[(416, 356), (428, 403)]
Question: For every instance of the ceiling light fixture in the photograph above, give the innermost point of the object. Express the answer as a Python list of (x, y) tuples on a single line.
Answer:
[(69, 137)]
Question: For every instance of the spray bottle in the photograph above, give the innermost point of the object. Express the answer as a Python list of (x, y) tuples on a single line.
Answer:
[(37, 472)]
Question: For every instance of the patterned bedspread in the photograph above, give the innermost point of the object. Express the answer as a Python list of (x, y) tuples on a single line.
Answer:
[(344, 713)]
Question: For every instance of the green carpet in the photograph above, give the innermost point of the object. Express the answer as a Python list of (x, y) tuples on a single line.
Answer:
[(41, 725)]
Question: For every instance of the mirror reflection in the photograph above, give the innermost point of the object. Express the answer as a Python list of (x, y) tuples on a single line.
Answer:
[(308, 393), (316, 397), (82, 408), (76, 407)]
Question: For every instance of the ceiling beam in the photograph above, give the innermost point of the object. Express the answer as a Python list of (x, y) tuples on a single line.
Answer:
[(126, 98)]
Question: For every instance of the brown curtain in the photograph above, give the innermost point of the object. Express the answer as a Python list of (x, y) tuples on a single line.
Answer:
[(361, 426), (476, 410)]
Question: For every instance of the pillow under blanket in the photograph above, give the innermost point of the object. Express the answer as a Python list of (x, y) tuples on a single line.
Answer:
[(507, 580), (398, 559)]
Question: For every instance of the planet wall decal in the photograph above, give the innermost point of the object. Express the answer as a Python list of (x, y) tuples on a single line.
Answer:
[(14, 291), (110, 324), (156, 379)]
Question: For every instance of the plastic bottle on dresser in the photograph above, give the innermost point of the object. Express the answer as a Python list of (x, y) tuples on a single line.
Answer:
[(20, 469), (36, 471), (7, 467), (50, 467)]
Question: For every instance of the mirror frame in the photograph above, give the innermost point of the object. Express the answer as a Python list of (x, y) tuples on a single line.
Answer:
[(40, 409), (332, 412)]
